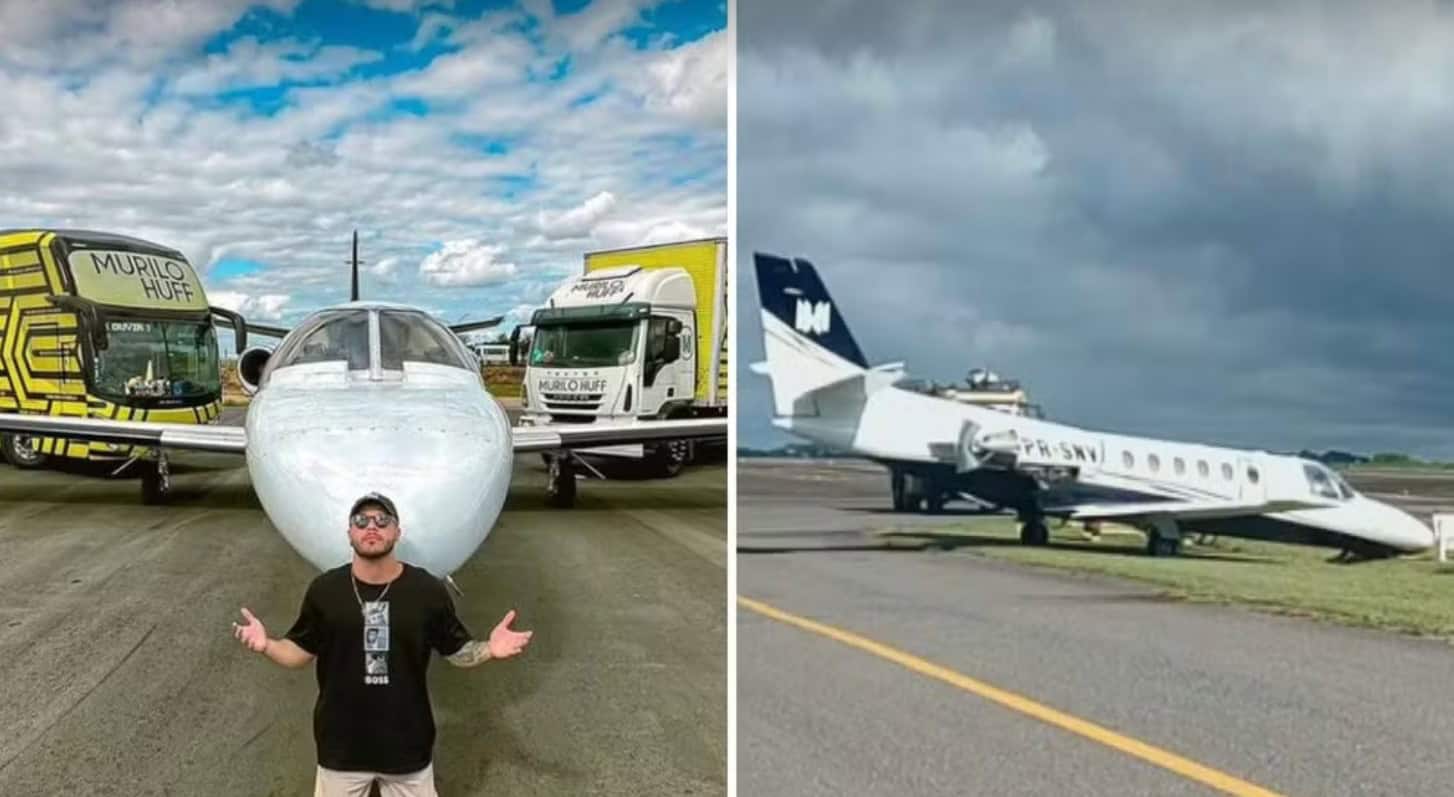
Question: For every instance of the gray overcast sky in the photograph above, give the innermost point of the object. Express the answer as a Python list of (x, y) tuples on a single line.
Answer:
[(1171, 219)]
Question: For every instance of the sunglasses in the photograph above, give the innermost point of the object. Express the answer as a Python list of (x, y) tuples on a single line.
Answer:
[(362, 520)]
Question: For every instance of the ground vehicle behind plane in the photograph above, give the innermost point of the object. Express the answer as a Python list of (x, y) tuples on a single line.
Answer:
[(99, 325), (641, 334)]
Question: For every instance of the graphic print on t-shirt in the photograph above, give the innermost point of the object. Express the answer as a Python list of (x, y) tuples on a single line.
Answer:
[(376, 643)]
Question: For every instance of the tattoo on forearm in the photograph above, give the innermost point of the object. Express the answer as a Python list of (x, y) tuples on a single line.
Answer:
[(474, 652)]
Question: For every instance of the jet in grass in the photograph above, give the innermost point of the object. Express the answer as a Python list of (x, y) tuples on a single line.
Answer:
[(936, 449), (370, 397)]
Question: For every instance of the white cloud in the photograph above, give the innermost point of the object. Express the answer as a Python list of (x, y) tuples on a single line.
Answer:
[(259, 307), (248, 63), (137, 145), (75, 35), (384, 269), (578, 221), (519, 314), (587, 28), (1031, 41), (467, 264), (499, 60), (690, 81)]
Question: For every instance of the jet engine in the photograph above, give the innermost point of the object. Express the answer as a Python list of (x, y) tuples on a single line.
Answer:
[(250, 368)]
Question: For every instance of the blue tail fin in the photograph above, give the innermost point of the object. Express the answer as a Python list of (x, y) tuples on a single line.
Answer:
[(791, 291)]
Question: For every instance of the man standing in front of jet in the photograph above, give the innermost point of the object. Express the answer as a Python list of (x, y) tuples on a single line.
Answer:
[(372, 625)]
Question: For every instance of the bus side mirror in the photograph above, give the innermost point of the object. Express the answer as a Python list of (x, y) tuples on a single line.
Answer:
[(84, 310), (671, 349), (515, 346), (239, 327)]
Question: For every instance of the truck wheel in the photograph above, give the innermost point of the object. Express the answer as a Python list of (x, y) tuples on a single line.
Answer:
[(560, 490), (156, 483), (20, 451)]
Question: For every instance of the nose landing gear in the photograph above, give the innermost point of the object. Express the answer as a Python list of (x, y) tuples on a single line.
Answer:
[(156, 480)]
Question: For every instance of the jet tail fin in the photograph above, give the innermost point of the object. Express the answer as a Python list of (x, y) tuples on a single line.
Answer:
[(807, 342), (353, 294)]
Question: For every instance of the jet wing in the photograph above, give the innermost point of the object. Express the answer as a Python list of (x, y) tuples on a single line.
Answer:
[(233, 439), (226, 439), (570, 436), (1188, 510), (240, 326), (267, 330)]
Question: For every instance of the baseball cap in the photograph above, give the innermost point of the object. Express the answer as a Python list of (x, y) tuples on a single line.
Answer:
[(375, 498)]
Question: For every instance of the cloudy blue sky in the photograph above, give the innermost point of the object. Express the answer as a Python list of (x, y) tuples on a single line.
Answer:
[(1221, 222), (479, 148)]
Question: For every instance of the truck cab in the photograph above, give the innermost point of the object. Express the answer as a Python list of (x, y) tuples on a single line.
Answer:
[(640, 334), (631, 358)]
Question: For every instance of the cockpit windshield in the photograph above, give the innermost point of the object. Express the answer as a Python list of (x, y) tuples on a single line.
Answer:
[(1325, 483), (344, 336), (341, 335), (406, 336), (1343, 487)]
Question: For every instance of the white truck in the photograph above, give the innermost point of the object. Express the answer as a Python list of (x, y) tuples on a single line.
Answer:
[(640, 334)]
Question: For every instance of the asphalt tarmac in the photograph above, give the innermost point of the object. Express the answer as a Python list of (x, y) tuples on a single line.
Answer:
[(1256, 701), (119, 673)]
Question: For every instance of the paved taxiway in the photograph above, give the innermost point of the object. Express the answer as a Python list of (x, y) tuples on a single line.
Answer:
[(1291, 706), (119, 673)]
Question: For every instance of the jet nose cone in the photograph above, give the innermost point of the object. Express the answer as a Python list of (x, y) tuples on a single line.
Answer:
[(1402, 530), (446, 472), (1415, 534)]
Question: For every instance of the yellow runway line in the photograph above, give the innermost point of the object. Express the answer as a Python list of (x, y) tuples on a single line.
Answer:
[(1182, 766)]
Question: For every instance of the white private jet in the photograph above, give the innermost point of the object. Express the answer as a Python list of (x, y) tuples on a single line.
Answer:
[(823, 390), (365, 397)]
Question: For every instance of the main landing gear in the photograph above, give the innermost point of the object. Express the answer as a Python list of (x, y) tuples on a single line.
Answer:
[(1163, 538), (560, 488), (914, 493), (1033, 530)]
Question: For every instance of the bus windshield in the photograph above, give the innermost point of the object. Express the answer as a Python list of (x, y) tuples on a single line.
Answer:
[(158, 359)]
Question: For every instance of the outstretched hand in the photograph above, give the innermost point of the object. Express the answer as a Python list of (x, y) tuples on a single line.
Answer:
[(505, 642), (251, 633)]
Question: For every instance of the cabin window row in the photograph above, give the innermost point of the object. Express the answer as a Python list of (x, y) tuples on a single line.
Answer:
[(1179, 466)]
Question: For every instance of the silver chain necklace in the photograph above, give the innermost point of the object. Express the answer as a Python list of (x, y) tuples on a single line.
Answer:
[(352, 579)]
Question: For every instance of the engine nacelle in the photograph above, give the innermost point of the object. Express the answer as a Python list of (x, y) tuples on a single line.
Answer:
[(986, 449), (250, 368)]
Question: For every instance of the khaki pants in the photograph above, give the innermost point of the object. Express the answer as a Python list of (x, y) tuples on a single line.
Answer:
[(331, 783)]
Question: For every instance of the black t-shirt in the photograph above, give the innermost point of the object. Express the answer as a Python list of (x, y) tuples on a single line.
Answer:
[(373, 710)]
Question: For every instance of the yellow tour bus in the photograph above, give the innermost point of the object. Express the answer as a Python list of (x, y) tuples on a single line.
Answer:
[(97, 325)]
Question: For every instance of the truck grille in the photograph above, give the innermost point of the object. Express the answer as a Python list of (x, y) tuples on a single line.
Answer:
[(572, 402)]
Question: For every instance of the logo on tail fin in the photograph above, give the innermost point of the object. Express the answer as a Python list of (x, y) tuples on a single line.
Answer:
[(814, 318), (792, 293)]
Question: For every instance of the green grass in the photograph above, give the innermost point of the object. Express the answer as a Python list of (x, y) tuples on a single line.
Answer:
[(1412, 595), (503, 389)]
